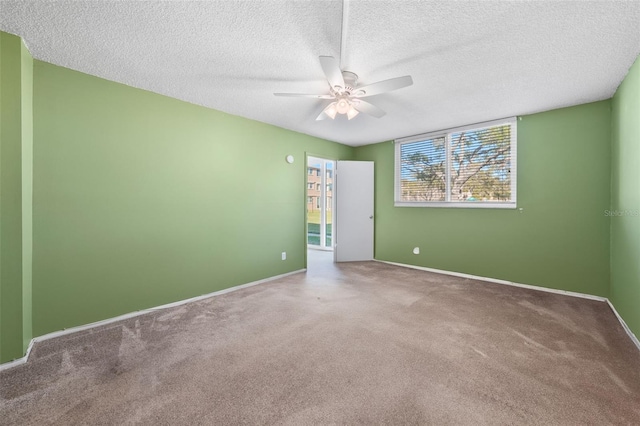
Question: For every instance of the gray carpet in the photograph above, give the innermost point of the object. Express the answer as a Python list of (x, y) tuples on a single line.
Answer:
[(358, 343)]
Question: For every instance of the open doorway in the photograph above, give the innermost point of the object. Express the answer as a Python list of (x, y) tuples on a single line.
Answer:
[(320, 209)]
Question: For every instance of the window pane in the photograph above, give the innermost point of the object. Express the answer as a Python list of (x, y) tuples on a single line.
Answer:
[(481, 164), (422, 170)]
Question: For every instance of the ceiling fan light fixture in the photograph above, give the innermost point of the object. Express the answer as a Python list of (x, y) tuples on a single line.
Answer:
[(331, 110), (352, 112), (343, 105)]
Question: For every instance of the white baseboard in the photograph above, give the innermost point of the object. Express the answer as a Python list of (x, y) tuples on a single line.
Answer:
[(72, 330), (24, 359), (497, 281), (626, 328), (18, 361), (632, 336)]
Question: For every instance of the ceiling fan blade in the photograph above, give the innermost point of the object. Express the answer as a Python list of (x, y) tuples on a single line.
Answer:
[(332, 71), (368, 108), (383, 86), (304, 95)]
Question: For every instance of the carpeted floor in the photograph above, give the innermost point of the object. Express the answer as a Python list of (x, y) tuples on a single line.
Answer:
[(358, 343)]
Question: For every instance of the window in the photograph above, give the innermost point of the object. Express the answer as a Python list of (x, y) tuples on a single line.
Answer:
[(310, 200), (472, 166), (310, 185), (309, 171)]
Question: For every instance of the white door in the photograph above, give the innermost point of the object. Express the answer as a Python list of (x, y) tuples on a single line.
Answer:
[(354, 211)]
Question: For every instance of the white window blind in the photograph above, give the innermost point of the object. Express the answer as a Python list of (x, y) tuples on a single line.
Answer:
[(423, 170), (472, 166)]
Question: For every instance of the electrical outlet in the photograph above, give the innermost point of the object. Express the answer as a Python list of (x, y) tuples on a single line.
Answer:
[(284, 255)]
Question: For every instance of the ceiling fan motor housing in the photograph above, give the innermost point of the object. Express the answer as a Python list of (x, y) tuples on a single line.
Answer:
[(350, 80)]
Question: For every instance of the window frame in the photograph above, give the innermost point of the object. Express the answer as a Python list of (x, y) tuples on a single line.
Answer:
[(447, 136)]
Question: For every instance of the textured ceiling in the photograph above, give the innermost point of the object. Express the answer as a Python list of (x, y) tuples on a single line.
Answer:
[(470, 61)]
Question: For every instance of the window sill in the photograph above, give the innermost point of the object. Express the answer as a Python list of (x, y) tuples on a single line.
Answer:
[(458, 205)]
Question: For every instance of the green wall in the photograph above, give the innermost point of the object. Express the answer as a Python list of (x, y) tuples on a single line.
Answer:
[(16, 145), (625, 200), (141, 200), (559, 240)]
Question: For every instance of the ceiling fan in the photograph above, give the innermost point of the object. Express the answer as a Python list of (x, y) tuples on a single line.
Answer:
[(345, 94)]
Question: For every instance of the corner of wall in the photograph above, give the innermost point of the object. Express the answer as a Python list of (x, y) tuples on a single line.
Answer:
[(16, 155), (27, 192), (624, 291)]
